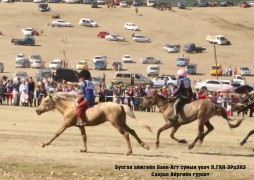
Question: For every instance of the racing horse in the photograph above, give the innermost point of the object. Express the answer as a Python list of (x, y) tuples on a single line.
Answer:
[(114, 113), (202, 110)]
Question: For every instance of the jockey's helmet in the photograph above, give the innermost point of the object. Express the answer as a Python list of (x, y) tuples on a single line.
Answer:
[(85, 74), (182, 73)]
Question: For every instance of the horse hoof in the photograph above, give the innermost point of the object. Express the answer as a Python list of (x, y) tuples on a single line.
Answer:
[(242, 143), (128, 153), (83, 150), (43, 145), (157, 146), (190, 147), (183, 141)]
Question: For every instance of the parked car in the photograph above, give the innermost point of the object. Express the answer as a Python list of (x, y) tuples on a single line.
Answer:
[(28, 40), (123, 4), (21, 75), (202, 3), (131, 26), (33, 58), (140, 38), (181, 5), (153, 70), (43, 7), (150, 3), (97, 81), (224, 3), (230, 83), (43, 73), (114, 37), (87, 22), (171, 48), (55, 64), (68, 75), (182, 61), (192, 68), (191, 47), (244, 70), (20, 56), (37, 64), (251, 3), (100, 65), (22, 63), (99, 58), (101, 2), (61, 22), (102, 34), (94, 4), (82, 64), (245, 4), (167, 81), (211, 85), (128, 78), (217, 39), (117, 66), (28, 31), (137, 3), (127, 59), (150, 60), (1, 67), (216, 70), (240, 79)]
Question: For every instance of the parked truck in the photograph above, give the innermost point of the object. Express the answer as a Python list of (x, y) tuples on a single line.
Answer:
[(217, 39), (28, 40), (191, 48)]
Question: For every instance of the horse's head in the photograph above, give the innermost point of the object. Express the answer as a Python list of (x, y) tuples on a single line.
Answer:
[(148, 101), (47, 104)]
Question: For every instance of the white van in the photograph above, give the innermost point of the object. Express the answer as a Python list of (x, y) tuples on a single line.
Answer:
[(128, 78), (150, 3), (153, 70)]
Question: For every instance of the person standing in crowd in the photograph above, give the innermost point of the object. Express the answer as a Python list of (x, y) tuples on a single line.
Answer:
[(24, 98), (23, 86), (1, 91), (148, 90), (235, 71), (109, 94), (17, 86), (230, 71), (9, 89), (37, 94), (118, 94), (15, 94), (101, 94), (31, 88)]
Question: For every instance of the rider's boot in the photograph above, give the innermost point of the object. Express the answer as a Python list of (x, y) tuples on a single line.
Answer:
[(174, 118)]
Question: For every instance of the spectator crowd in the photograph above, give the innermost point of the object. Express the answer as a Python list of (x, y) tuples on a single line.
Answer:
[(29, 93)]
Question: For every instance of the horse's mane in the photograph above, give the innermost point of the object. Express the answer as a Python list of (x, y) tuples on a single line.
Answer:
[(65, 96)]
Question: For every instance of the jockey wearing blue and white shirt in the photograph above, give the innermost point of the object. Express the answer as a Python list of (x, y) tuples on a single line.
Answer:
[(88, 92), (183, 93), (86, 97)]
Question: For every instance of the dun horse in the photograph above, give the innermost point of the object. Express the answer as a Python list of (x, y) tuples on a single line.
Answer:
[(98, 114), (201, 110)]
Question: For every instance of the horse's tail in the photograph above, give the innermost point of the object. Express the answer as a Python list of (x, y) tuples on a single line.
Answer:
[(130, 113), (225, 116)]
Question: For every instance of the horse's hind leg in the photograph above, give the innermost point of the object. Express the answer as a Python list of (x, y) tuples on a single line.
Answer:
[(134, 134), (172, 135), (126, 135), (245, 139), (209, 129), (163, 128), (83, 133)]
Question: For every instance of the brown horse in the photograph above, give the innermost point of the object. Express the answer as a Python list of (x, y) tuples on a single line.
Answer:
[(201, 110), (98, 114)]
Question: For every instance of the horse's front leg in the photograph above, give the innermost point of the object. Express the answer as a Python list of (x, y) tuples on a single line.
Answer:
[(83, 133), (58, 133)]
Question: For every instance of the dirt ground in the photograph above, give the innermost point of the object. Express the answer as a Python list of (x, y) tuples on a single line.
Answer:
[(21, 156), (22, 131)]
